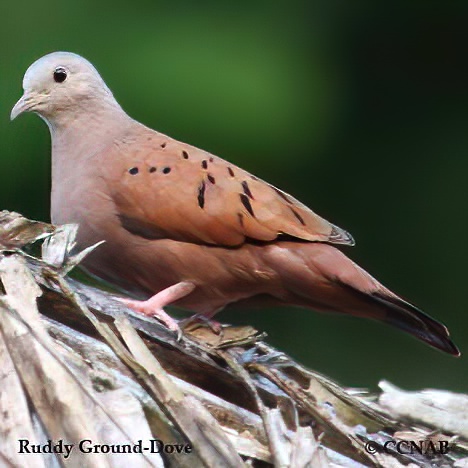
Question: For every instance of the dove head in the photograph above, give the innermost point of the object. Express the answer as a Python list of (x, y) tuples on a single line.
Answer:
[(61, 85)]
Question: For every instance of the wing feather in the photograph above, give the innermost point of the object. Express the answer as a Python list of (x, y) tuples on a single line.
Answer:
[(167, 189)]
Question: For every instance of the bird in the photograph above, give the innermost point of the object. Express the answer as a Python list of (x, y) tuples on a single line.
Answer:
[(184, 227)]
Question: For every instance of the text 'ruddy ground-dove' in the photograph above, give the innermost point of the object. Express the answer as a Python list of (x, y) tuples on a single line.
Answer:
[(185, 227)]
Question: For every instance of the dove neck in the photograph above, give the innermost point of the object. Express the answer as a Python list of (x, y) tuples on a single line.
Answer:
[(81, 136), (85, 115)]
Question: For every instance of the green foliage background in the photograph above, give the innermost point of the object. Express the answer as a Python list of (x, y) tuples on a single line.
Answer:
[(358, 109)]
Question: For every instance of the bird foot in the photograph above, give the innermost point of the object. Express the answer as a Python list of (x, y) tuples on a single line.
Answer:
[(198, 320), (153, 307)]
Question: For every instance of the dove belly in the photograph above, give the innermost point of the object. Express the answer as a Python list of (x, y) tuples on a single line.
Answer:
[(279, 272), (251, 274), (222, 277)]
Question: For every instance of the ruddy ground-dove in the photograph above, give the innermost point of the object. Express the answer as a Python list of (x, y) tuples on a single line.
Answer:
[(184, 227)]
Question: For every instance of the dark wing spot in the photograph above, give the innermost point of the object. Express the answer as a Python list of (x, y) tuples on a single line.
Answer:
[(211, 179), (166, 170), (246, 202), (253, 177), (231, 172), (163, 145), (240, 216), (152, 169), (211, 159), (139, 228), (133, 170), (298, 216), (204, 164), (185, 154), (246, 188), (281, 194), (201, 194)]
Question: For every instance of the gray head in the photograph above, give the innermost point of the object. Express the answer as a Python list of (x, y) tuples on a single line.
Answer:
[(60, 83)]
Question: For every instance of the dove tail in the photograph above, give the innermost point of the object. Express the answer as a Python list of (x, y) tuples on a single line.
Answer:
[(333, 282), (407, 317)]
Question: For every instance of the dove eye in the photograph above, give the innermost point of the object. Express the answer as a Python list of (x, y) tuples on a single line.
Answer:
[(60, 75)]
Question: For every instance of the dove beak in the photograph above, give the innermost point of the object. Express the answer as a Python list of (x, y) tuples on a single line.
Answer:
[(24, 104)]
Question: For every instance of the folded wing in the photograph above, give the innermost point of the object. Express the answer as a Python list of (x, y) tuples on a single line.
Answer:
[(172, 190)]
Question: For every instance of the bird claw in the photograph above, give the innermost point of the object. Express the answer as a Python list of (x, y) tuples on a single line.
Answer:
[(198, 320), (146, 308), (153, 307)]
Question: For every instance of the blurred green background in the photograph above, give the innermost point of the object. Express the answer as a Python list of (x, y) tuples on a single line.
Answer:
[(360, 111)]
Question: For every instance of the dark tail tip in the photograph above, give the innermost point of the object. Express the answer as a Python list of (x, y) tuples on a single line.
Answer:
[(409, 318)]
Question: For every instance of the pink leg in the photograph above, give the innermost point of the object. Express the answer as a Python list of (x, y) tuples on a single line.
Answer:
[(153, 307)]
